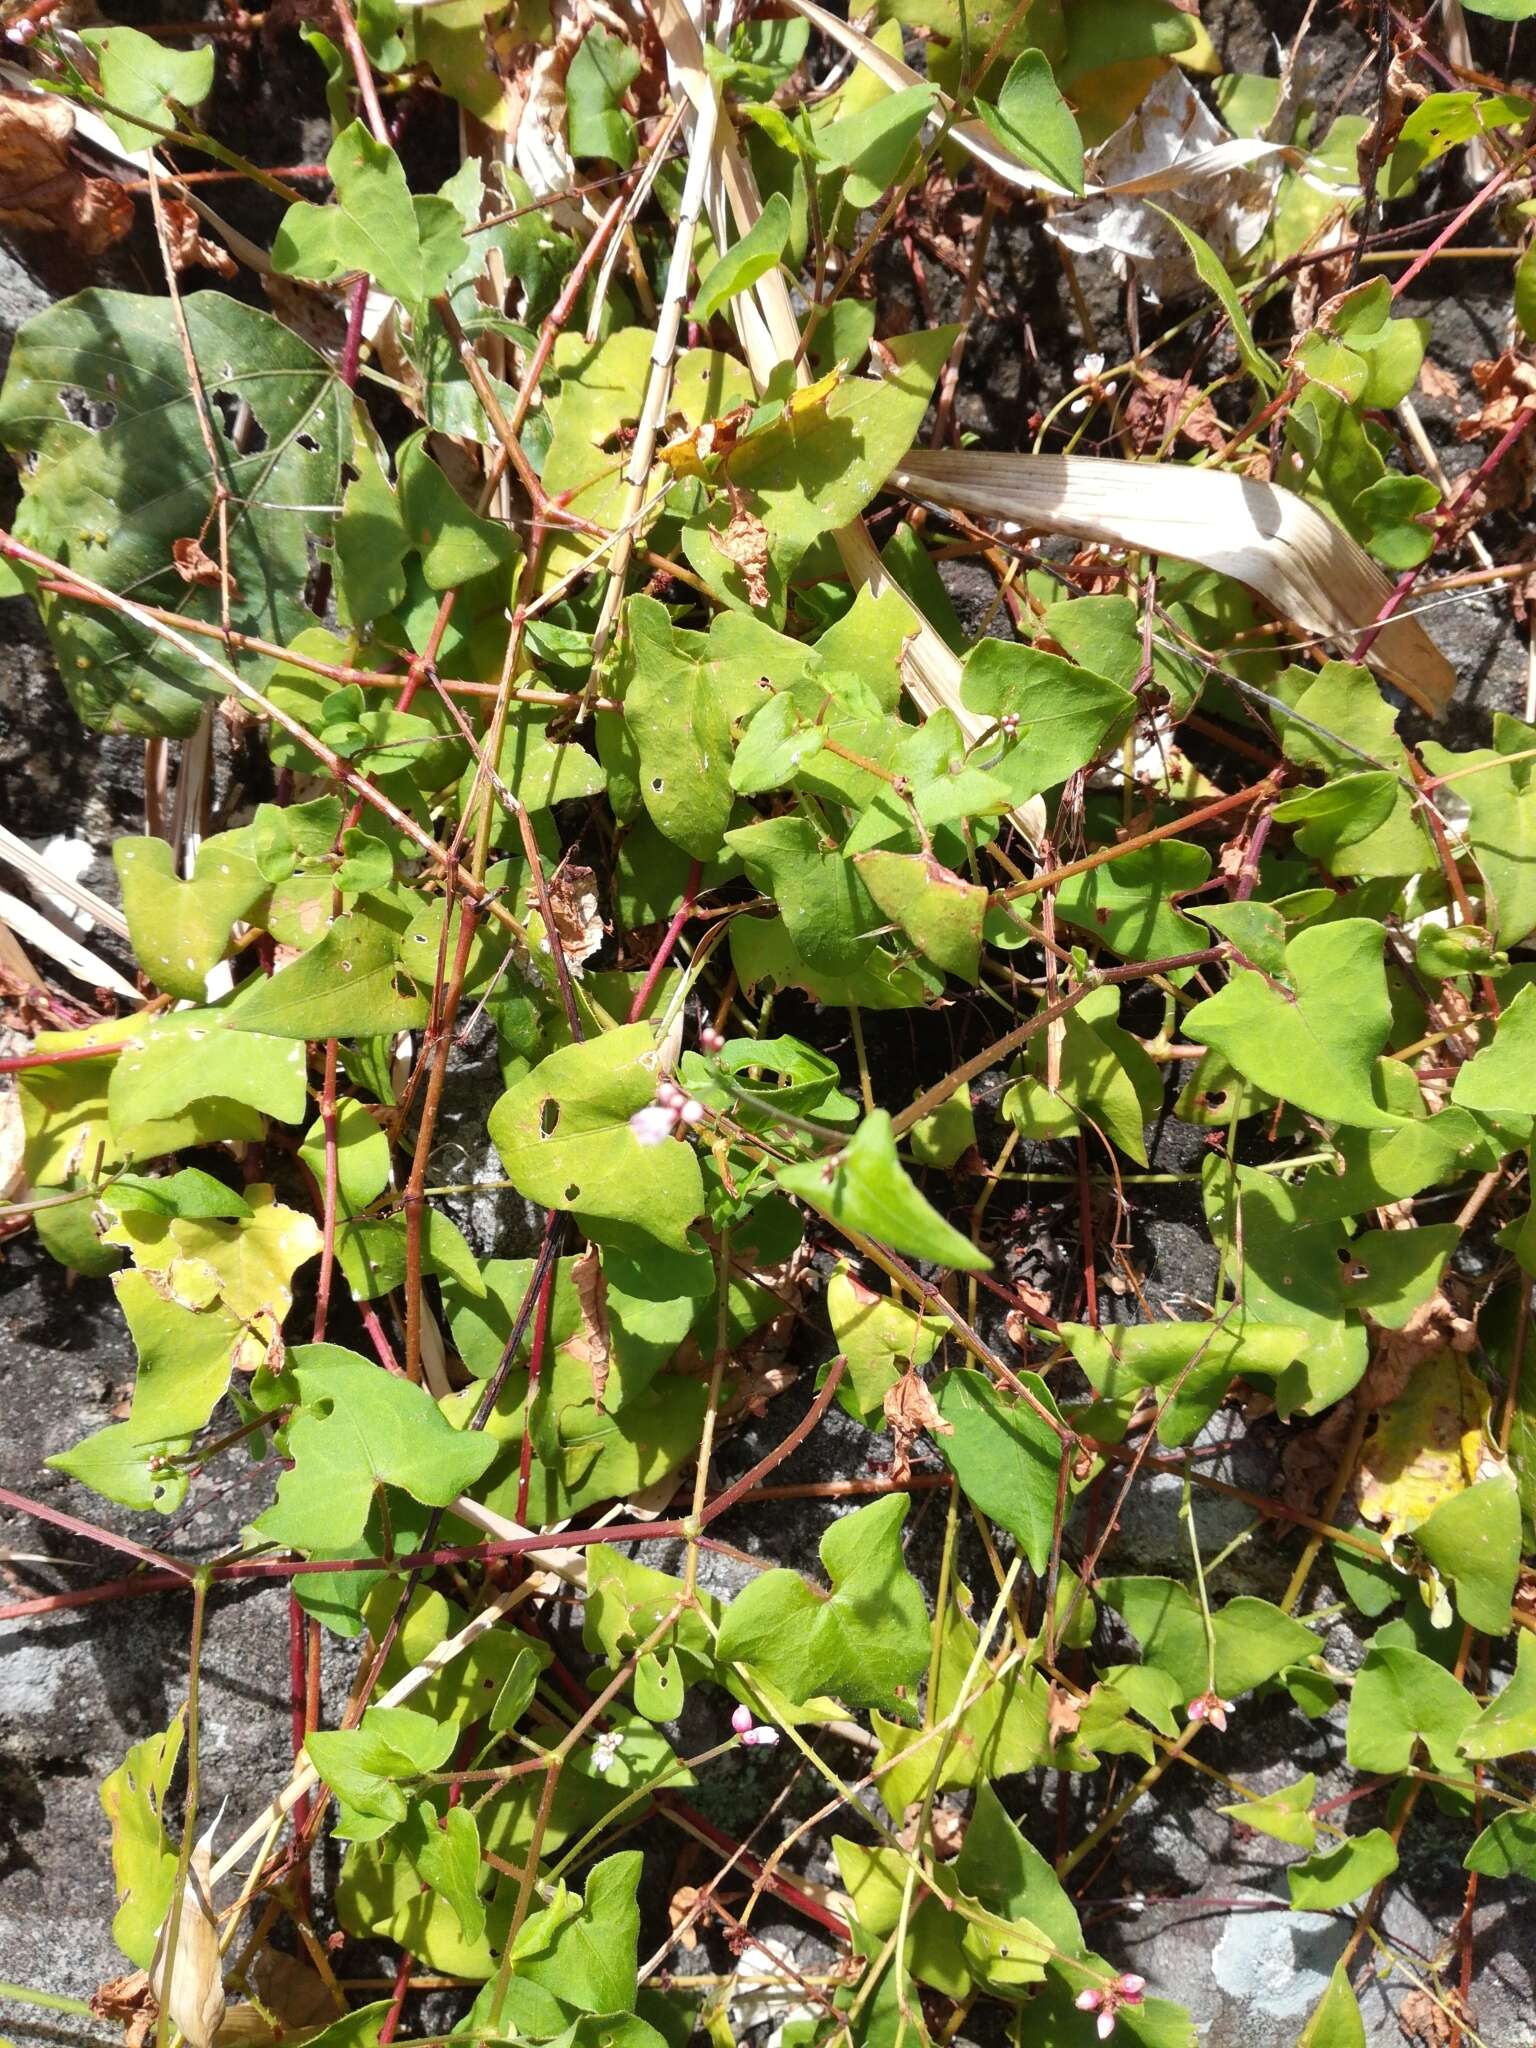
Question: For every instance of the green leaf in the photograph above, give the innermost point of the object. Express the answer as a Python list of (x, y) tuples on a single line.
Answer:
[(1507, 1847), (189, 1192), (946, 1134), (1335, 2020), (1212, 273), (115, 1463), (564, 1137), (1285, 1815), (1315, 1041), (372, 227), (362, 1156), (1473, 1539), (866, 1643), (1393, 1272), (177, 1060), (602, 70), (143, 1860), (1010, 1879), (881, 1338), (872, 146), (456, 544), (745, 261), (1063, 714), (1342, 1874), (349, 985), (1400, 1697), (822, 898), (359, 1428), (1445, 120), (938, 911), (180, 930), (1199, 1359), (113, 499), (366, 1765), (866, 1188), (1124, 904), (818, 462), (1502, 827), (1033, 121), (1507, 1725), (1006, 1457), (140, 76), (1500, 1080), (679, 721), (448, 1857), (587, 1957), (1254, 1639)]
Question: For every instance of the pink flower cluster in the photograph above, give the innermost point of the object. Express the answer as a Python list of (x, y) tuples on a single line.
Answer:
[(1211, 1707), (654, 1124), (1107, 1999), (752, 1737)]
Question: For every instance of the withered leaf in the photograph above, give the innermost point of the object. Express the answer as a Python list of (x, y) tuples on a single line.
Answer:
[(42, 190)]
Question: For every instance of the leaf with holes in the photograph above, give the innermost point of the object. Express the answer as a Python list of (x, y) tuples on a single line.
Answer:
[(349, 985), (565, 1138), (98, 400), (181, 929)]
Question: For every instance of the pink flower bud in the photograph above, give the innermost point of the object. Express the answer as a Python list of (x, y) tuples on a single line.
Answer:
[(1089, 2000), (741, 1720), (691, 1113), (1131, 1988)]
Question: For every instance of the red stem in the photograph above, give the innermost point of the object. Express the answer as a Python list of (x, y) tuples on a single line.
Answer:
[(535, 1362), (657, 968), (92, 1533)]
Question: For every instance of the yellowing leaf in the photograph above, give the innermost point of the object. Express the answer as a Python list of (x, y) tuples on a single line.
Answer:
[(1428, 1445)]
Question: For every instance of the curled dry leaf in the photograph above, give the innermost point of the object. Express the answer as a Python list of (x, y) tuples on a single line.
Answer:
[(573, 906), (196, 1993), (128, 2002), (1160, 409), (189, 248), (910, 1410), (1298, 561), (593, 1341), (744, 541), (194, 564), (42, 191)]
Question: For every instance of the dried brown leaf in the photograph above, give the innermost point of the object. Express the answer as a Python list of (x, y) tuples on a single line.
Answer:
[(593, 1342), (128, 2002), (910, 1410), (744, 542), (42, 190), (188, 247), (194, 564)]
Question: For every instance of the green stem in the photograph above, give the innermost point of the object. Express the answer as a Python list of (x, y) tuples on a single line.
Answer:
[(51, 2001)]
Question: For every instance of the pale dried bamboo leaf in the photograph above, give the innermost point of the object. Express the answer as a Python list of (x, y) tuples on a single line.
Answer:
[(979, 142), (1266, 537), (196, 1994)]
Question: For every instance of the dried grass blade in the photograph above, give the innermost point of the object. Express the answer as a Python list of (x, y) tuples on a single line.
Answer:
[(1298, 561)]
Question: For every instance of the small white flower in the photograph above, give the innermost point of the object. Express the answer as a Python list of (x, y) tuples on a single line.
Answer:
[(1211, 1707), (1091, 366), (654, 1124), (606, 1749)]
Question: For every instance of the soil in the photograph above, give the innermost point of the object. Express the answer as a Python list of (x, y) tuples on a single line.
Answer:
[(1188, 1899)]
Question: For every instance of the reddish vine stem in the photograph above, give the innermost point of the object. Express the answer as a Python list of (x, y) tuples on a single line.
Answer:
[(535, 1367), (670, 937)]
